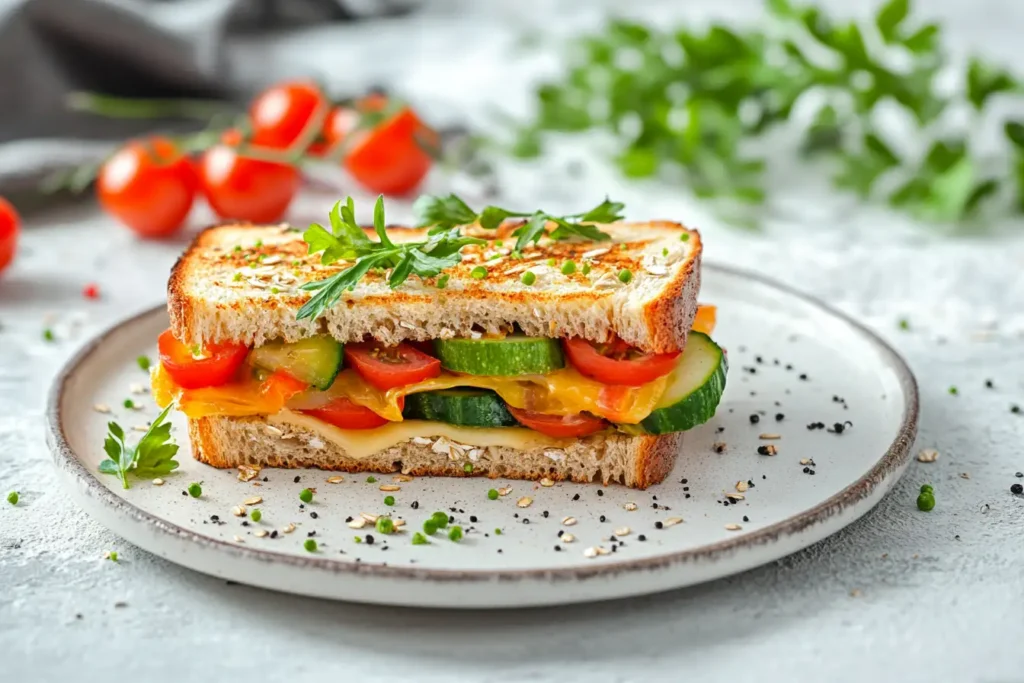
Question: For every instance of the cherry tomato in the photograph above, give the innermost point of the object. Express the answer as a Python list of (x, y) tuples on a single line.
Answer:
[(148, 185), (617, 363), (343, 119), (244, 188), (216, 364), (705, 319), (386, 367), (343, 413), (280, 114), (390, 157), (558, 426), (10, 226)]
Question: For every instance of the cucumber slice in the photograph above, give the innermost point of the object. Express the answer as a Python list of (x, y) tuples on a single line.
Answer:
[(513, 355), (466, 407), (694, 388), (316, 360)]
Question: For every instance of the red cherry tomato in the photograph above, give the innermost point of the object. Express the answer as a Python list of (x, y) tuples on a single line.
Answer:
[(243, 188), (280, 114), (10, 226), (345, 414), (148, 185), (386, 367), (617, 363), (216, 364), (567, 426), (91, 291)]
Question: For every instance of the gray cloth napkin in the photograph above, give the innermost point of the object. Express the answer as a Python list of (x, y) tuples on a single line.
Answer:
[(132, 48)]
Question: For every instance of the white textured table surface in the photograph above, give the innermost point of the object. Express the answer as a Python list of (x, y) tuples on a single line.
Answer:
[(900, 595)]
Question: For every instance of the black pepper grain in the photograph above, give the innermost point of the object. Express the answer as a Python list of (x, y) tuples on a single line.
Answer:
[(1019, 475), (313, 515), (603, 518), (214, 518), (472, 518), (600, 492), (745, 518), (368, 539), (779, 417), (545, 514), (687, 495), (1017, 489), (1015, 409), (758, 359), (296, 479), (641, 537), (245, 523), (684, 480), (526, 520), (658, 525), (311, 534), (415, 505), (558, 548), (754, 419), (560, 532), (348, 519), (576, 497), (273, 534), (989, 384), (803, 376)]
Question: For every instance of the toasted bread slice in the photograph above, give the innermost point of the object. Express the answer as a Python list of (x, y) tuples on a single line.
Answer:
[(241, 283), (635, 461)]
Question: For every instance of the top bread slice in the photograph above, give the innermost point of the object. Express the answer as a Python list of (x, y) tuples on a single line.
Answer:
[(241, 282)]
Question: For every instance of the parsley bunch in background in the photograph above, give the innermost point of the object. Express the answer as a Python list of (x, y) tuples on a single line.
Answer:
[(695, 101)]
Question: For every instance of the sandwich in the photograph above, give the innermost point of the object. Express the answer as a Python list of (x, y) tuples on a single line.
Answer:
[(551, 347)]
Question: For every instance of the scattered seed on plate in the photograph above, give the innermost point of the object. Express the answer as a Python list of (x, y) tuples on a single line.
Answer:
[(336, 479), (504, 490), (964, 475), (735, 496), (742, 486), (770, 449), (247, 472), (369, 517), (238, 539), (630, 507), (928, 455), (769, 437), (390, 487), (399, 523), (238, 511), (136, 388), (261, 533), (672, 521), (357, 523), (401, 478), (719, 447), (567, 538), (140, 428), (568, 521), (524, 502), (158, 482), (732, 527), (288, 529), (622, 531), (101, 408), (546, 482), (255, 500)]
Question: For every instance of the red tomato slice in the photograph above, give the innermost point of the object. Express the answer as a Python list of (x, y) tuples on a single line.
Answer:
[(217, 364), (559, 426), (386, 367), (345, 414), (9, 229), (616, 363)]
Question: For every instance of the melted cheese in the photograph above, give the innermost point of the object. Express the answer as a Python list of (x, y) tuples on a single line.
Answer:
[(564, 392), (362, 443)]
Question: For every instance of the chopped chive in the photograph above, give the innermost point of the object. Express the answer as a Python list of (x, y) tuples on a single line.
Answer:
[(492, 494), (468, 468), (256, 515), (550, 261), (478, 273), (528, 278), (112, 556), (442, 280), (371, 479), (306, 496), (904, 324), (419, 539), (129, 404), (389, 500), (664, 251), (238, 247), (585, 269), (685, 237), (48, 334), (625, 275), (516, 254), (385, 525), (568, 268), (497, 532), (143, 362), (12, 497), (455, 534), (274, 290), (259, 243), (358, 539), (310, 545), (954, 391), (195, 490), (237, 277)]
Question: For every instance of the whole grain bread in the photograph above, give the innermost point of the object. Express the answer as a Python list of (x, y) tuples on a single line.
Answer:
[(241, 283), (635, 461)]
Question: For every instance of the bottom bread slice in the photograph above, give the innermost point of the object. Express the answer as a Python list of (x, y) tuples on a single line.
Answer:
[(635, 461)]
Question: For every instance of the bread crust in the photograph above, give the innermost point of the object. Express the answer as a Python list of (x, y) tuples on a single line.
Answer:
[(214, 296), (635, 461)]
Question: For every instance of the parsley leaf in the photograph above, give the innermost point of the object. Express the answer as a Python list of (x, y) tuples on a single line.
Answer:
[(152, 457)]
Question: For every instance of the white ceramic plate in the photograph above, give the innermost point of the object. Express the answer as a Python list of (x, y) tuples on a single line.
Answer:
[(789, 355)]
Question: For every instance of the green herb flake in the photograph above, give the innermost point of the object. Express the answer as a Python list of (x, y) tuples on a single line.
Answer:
[(685, 237), (48, 335), (112, 556), (664, 251), (152, 457), (237, 277), (478, 273), (585, 269), (310, 545), (195, 490), (568, 268), (143, 362), (625, 275), (926, 501), (129, 404), (371, 479), (904, 324), (440, 519), (256, 515), (389, 500), (492, 494), (238, 247), (442, 280), (551, 262), (528, 278), (497, 532), (385, 525), (13, 497), (468, 468), (455, 534), (953, 391), (429, 527), (419, 539), (306, 495)]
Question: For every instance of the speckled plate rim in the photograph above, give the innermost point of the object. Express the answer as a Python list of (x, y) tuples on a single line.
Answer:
[(891, 464)]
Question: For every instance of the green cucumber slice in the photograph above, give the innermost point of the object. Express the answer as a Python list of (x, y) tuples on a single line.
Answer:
[(694, 388), (466, 407), (316, 360), (510, 356)]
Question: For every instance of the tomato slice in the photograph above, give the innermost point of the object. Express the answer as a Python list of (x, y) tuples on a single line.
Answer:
[(216, 364), (387, 367), (559, 426), (705, 319), (618, 363), (345, 414)]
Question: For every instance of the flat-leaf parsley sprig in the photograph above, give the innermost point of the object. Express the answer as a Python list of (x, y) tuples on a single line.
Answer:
[(152, 457), (443, 213), (346, 241)]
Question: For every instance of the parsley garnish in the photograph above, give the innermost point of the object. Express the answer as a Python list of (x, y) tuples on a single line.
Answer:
[(346, 241), (442, 213), (152, 457)]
